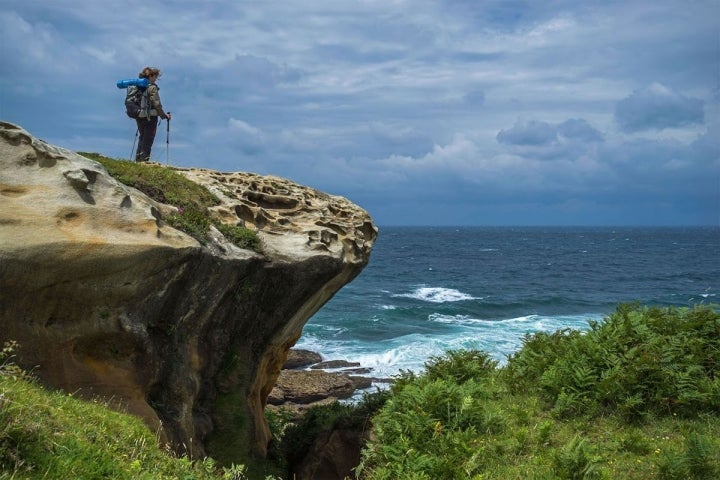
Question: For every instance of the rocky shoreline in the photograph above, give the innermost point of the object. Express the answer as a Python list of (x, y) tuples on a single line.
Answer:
[(306, 380)]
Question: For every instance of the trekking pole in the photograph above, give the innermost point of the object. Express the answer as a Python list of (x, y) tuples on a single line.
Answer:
[(167, 143), (132, 151)]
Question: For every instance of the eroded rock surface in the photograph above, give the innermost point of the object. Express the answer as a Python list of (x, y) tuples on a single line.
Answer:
[(107, 300), (334, 455), (306, 387)]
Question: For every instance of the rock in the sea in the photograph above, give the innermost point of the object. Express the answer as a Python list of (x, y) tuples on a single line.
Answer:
[(359, 382), (334, 364), (357, 371), (298, 358), (298, 390), (309, 386), (106, 299)]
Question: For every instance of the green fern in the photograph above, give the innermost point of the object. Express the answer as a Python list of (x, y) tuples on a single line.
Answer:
[(577, 461), (640, 362)]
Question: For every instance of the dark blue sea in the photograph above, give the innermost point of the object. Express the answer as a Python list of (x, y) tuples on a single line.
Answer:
[(430, 289)]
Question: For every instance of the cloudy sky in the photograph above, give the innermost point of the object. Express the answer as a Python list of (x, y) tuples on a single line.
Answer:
[(424, 112)]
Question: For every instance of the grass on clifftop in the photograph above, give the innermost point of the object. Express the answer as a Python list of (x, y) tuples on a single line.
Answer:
[(192, 199)]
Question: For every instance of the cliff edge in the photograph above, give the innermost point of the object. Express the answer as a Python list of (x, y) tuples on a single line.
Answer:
[(107, 300)]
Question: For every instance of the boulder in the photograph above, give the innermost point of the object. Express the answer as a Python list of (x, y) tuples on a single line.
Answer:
[(106, 299), (298, 358), (309, 386), (330, 364), (360, 383)]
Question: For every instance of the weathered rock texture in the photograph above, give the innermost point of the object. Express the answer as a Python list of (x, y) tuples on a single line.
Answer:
[(308, 387), (334, 455), (107, 300)]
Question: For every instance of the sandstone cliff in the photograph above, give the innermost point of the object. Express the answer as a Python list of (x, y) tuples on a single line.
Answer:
[(108, 300)]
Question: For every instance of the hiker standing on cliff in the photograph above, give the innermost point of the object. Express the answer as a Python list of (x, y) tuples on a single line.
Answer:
[(151, 109)]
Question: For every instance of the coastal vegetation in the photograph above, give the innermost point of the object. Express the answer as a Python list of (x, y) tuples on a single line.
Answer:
[(191, 199), (636, 396), (51, 434)]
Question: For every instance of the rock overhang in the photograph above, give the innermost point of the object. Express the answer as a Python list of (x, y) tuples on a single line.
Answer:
[(107, 299)]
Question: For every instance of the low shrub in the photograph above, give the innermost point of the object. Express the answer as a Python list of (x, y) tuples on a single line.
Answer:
[(576, 461), (298, 437), (240, 236), (460, 366), (695, 462), (606, 403), (432, 425), (638, 362)]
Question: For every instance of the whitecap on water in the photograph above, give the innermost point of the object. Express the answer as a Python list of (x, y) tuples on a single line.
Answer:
[(388, 357), (437, 295)]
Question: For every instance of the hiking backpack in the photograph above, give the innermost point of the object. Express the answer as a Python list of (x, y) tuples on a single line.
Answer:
[(135, 100)]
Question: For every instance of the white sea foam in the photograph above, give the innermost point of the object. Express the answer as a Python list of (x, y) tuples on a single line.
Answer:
[(537, 322), (387, 358), (436, 295), (409, 352), (452, 319)]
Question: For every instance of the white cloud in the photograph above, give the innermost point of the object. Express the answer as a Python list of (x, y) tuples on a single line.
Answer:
[(244, 128), (104, 56), (248, 139), (27, 47)]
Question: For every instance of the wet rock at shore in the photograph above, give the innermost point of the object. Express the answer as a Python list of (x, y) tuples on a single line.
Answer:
[(310, 386), (331, 364), (298, 358), (298, 389), (305, 387)]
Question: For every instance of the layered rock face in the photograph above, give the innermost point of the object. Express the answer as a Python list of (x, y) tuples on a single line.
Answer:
[(107, 300)]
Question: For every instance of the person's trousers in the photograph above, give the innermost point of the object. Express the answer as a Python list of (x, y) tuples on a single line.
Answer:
[(147, 128)]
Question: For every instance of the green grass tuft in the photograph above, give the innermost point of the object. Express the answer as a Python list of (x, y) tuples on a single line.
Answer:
[(192, 221), (191, 199), (240, 236), (157, 182)]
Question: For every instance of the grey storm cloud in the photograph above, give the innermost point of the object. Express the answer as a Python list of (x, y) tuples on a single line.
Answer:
[(253, 70), (657, 107), (481, 103), (579, 129), (529, 133), (536, 133)]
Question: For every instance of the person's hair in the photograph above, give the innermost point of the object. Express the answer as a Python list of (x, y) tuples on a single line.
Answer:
[(148, 71)]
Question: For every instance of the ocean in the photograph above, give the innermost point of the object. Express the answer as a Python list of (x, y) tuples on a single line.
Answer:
[(430, 289)]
